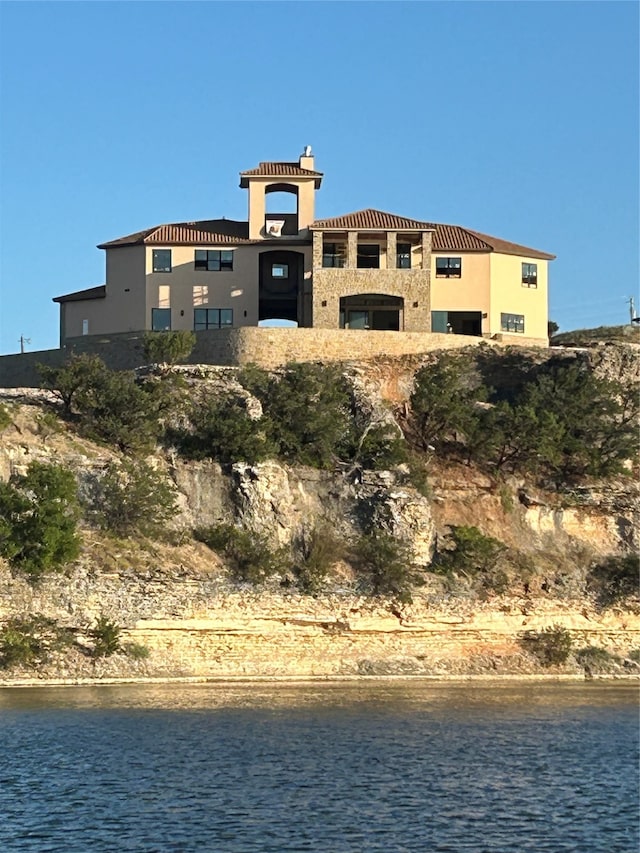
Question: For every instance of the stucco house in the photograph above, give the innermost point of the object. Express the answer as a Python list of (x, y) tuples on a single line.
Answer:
[(364, 270)]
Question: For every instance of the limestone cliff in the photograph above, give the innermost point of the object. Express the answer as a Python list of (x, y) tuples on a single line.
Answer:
[(178, 600)]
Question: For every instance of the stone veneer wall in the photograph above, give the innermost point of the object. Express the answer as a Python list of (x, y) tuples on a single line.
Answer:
[(412, 285), (268, 347)]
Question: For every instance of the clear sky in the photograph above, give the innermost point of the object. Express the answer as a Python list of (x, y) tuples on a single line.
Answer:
[(518, 119)]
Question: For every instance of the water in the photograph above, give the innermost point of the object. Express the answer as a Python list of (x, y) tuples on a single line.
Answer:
[(325, 767)]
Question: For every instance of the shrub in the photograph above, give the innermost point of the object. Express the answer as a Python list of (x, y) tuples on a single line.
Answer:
[(106, 638), (168, 347), (136, 651), (223, 430), (251, 558), (387, 562), (75, 377), (595, 657), (634, 655), (132, 497), (29, 640), (614, 579), (551, 646), (5, 417), (48, 424), (472, 553), (318, 549), (39, 511), (380, 448)]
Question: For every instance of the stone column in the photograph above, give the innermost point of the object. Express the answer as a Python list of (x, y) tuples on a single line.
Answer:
[(352, 250), (392, 259), (427, 239), (318, 240)]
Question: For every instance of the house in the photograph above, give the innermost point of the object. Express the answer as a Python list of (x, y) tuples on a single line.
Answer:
[(364, 270)]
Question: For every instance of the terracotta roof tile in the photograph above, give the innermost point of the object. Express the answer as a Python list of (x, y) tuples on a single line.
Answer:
[(370, 219), (98, 292), (446, 238), (205, 232), (269, 169)]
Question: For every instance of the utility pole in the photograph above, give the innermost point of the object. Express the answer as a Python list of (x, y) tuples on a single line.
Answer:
[(24, 341), (632, 310)]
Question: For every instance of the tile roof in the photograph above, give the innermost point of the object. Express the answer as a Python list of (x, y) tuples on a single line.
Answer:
[(446, 238), (369, 219), (98, 292), (268, 169), (205, 232)]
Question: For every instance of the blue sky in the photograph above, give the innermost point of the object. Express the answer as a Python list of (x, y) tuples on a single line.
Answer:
[(516, 119)]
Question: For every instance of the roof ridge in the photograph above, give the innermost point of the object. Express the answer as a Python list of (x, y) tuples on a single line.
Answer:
[(477, 234)]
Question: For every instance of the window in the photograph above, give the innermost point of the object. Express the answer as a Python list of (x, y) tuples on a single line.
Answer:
[(368, 256), (212, 318), (448, 267), (334, 255), (161, 319), (529, 275), (162, 260), (200, 294), (280, 270), (512, 323), (403, 256), (216, 260)]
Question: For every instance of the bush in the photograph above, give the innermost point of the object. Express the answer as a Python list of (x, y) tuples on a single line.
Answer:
[(168, 347), (318, 549), (75, 377), (5, 417), (551, 646), (132, 497), (634, 655), (136, 651), (595, 658), (251, 558), (472, 554), (106, 638), (39, 511), (30, 640), (614, 579), (223, 430), (387, 562), (380, 448)]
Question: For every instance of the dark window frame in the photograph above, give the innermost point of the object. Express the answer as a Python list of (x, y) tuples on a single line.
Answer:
[(213, 260), (403, 256), (529, 274), (449, 269), (157, 326), (334, 255), (365, 255), (211, 318), (513, 323), (157, 266)]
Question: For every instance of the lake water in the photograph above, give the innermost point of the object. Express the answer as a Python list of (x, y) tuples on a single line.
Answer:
[(373, 766)]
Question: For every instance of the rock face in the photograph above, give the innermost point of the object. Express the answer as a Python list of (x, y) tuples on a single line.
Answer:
[(178, 600)]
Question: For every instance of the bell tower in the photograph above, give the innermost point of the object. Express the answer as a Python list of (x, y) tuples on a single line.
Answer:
[(298, 179)]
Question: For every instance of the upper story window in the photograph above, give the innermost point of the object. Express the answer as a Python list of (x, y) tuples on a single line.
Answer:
[(529, 275), (280, 270), (212, 318), (403, 256), (448, 267), (512, 323), (215, 260), (162, 260), (368, 256), (334, 255)]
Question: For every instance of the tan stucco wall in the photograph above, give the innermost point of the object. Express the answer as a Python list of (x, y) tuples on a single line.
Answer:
[(470, 292), (509, 296), (257, 202)]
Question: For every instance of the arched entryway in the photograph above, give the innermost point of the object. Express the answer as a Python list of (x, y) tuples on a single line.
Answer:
[(372, 311), (280, 280)]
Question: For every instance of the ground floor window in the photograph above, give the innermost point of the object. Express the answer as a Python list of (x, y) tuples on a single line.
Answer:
[(161, 319), (371, 311), (457, 322), (212, 318), (512, 323)]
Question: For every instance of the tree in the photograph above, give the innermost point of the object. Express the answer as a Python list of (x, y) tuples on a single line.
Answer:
[(133, 497), (168, 347), (387, 562), (39, 511), (552, 328), (75, 376), (443, 401)]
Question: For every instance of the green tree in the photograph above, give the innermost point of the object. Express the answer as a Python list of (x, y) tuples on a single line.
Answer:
[(168, 347), (76, 376), (30, 640), (39, 511), (106, 638), (387, 563), (132, 497), (443, 401)]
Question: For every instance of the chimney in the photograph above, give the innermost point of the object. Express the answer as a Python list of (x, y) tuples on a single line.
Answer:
[(306, 159)]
